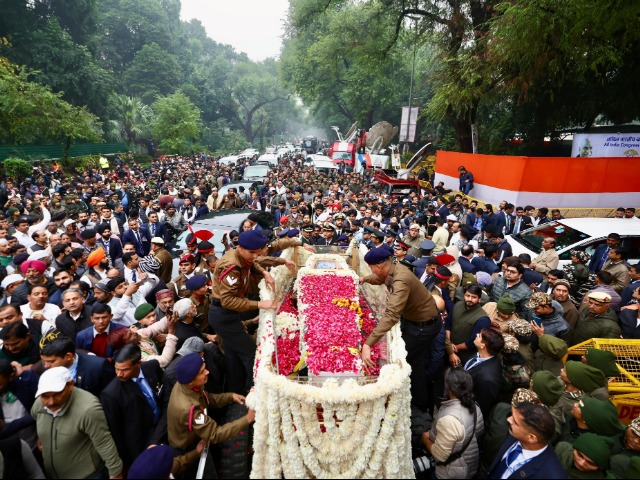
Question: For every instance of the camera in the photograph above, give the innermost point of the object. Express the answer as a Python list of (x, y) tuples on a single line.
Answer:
[(421, 464)]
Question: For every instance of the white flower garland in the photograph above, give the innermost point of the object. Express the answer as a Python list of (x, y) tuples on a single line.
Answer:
[(366, 427)]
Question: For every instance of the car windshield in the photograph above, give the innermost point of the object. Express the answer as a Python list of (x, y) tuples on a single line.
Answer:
[(565, 236), (341, 156), (256, 171)]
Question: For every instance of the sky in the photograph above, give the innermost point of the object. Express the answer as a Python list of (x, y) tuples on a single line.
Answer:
[(251, 26)]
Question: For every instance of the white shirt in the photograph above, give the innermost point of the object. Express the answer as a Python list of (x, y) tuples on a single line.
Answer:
[(525, 457), (49, 312)]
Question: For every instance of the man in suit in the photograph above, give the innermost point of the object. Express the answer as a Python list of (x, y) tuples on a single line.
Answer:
[(94, 339), (486, 369), (112, 246), (156, 228), (89, 372), (531, 428), (601, 255), (504, 219), (131, 403), (466, 255), (139, 236), (478, 221), (520, 222)]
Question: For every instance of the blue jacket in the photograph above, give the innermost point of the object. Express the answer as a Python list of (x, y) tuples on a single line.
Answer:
[(161, 231), (545, 465), (466, 265), (24, 387), (625, 296), (500, 221), (94, 373), (144, 245), (595, 264), (485, 265), (84, 339), (471, 221)]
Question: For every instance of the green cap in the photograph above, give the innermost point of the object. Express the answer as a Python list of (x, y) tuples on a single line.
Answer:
[(506, 304), (547, 386), (468, 279), (601, 416), (585, 377), (596, 447), (142, 311), (602, 360), (553, 346)]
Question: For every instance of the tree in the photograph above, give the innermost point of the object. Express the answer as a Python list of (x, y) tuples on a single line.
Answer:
[(30, 111), (339, 61), (153, 72), (177, 122), (132, 120), (17, 168)]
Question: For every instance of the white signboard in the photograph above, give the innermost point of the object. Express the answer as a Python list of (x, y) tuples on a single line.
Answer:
[(606, 145), (412, 124)]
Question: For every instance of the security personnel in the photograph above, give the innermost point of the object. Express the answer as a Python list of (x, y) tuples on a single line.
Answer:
[(178, 285), (411, 304), (188, 420), (307, 238), (328, 235), (205, 249), (198, 285), (231, 280)]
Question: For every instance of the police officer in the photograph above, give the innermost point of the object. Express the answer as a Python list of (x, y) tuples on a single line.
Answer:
[(411, 304), (188, 419), (231, 281), (307, 238)]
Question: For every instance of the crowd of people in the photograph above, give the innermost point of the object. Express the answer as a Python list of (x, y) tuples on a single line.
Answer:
[(106, 350)]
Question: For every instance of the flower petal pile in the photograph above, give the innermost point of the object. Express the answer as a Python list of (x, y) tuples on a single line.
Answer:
[(331, 334)]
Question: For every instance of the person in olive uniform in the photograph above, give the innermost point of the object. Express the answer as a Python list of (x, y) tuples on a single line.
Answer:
[(178, 285), (231, 280), (411, 304), (188, 420)]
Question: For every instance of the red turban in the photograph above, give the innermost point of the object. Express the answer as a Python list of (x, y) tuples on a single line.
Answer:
[(38, 265)]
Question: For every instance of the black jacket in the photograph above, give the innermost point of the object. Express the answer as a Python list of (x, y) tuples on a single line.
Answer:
[(487, 380), (545, 465), (70, 327), (94, 373), (129, 416)]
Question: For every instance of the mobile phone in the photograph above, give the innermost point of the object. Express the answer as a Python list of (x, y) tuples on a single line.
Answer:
[(538, 320)]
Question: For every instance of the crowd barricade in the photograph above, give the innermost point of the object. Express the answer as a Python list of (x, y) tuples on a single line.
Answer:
[(624, 390)]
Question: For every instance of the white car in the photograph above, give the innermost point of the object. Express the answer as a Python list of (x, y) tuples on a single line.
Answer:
[(249, 153), (578, 233), (268, 159), (230, 160), (272, 150)]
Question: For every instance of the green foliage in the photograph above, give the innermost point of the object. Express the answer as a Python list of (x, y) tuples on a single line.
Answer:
[(153, 72), (177, 123), (337, 60), (17, 168), (131, 122), (30, 111), (79, 164)]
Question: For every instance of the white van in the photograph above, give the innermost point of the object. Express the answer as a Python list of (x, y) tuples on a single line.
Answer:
[(270, 159), (321, 163), (578, 233), (230, 160)]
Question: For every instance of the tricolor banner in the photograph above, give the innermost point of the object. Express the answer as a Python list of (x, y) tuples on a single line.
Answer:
[(595, 182)]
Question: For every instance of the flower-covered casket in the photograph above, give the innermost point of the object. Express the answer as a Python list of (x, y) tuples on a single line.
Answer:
[(320, 413)]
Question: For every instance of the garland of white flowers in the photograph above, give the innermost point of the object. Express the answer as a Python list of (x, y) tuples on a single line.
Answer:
[(367, 427)]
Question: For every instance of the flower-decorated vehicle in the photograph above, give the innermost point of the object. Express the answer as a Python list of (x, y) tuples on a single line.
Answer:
[(319, 412)]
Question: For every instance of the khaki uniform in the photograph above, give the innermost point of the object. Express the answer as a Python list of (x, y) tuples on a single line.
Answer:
[(491, 309), (188, 421), (411, 302), (227, 202), (202, 312), (179, 286), (414, 243), (408, 299), (620, 274), (166, 264)]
